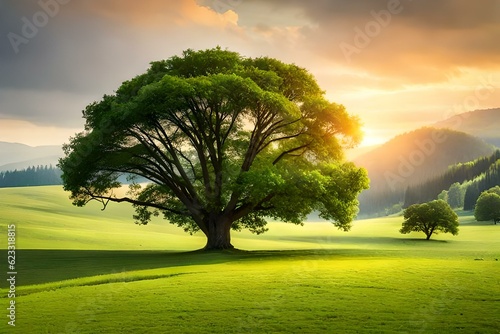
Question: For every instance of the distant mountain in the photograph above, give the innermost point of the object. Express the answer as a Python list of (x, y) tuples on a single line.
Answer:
[(416, 156), (45, 161), (20, 156), (413, 158), (14, 156), (484, 124)]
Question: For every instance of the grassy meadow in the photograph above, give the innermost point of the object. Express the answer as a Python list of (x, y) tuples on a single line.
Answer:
[(83, 270)]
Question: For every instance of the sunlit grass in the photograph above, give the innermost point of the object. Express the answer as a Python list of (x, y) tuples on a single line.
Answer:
[(81, 270), (319, 292)]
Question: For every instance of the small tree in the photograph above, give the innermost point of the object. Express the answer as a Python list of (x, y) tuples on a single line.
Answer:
[(494, 190), (430, 218), (455, 196), (443, 195), (488, 206)]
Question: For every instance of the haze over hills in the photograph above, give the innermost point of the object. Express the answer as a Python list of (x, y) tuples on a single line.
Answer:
[(484, 124), (461, 184), (353, 153), (413, 158), (418, 155), (19, 156)]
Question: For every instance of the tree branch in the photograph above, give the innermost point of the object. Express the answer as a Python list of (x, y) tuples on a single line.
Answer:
[(106, 199), (288, 152)]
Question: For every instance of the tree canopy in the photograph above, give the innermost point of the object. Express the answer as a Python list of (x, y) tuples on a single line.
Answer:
[(224, 142), (488, 205), (432, 217)]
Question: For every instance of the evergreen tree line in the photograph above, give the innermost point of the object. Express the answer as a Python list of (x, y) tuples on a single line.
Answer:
[(32, 176), (457, 174), (486, 181)]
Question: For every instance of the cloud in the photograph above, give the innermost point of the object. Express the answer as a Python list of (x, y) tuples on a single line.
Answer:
[(57, 108), (16, 131), (420, 41), (90, 47), (156, 13), (86, 38)]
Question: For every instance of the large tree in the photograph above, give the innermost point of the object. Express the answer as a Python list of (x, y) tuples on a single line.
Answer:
[(432, 217), (488, 205), (223, 141)]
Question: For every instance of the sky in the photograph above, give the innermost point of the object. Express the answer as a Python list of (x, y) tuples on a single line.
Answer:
[(397, 64)]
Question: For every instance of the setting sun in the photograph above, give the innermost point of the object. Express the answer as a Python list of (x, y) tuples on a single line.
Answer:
[(372, 137)]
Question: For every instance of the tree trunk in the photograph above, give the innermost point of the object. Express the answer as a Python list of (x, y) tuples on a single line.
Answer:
[(219, 233), (429, 233)]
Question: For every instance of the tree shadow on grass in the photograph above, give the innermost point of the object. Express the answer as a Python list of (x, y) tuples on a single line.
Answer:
[(480, 223), (44, 266), (362, 242), (423, 240)]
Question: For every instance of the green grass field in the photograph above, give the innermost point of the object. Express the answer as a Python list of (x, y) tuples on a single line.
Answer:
[(81, 270)]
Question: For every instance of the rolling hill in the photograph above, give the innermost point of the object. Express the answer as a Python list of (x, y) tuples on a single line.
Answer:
[(484, 124), (90, 271), (19, 156), (416, 156), (413, 158)]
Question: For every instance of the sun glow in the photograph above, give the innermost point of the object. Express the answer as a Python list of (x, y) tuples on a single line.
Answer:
[(372, 137)]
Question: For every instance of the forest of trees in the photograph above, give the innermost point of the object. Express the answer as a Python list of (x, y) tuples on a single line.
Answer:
[(32, 176), (412, 159), (463, 183), (486, 181)]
